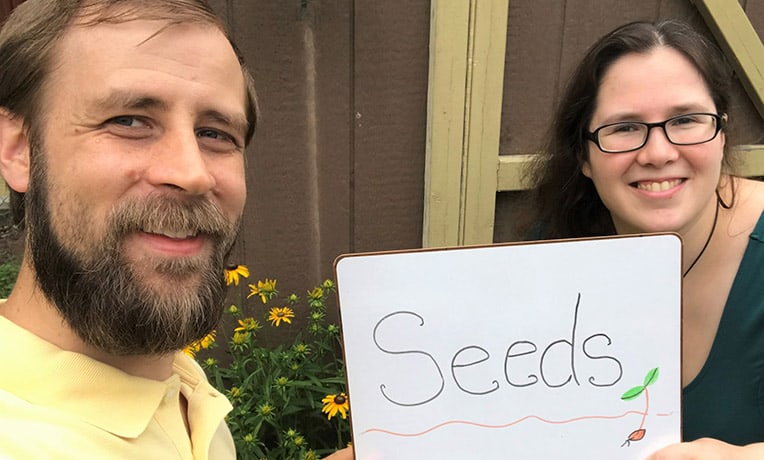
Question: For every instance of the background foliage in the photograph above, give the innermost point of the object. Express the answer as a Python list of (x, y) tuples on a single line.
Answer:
[(277, 390), (8, 273)]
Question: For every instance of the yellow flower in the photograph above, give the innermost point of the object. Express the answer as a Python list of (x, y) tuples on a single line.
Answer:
[(279, 314), (233, 272), (192, 349), (316, 293), (335, 403), (328, 284), (208, 340), (265, 289), (202, 344), (240, 337), (233, 309), (247, 325), (316, 298)]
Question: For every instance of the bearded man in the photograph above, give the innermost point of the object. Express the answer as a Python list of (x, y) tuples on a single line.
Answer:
[(123, 127)]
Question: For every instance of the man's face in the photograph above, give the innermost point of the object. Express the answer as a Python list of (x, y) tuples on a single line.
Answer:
[(138, 182)]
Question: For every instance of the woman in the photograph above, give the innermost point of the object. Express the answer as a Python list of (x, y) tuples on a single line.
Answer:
[(638, 145)]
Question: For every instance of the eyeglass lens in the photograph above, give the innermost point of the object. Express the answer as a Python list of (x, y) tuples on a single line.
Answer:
[(683, 130)]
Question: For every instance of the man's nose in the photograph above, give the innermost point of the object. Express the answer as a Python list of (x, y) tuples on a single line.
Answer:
[(178, 162)]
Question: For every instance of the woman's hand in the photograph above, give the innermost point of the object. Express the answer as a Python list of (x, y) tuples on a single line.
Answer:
[(344, 454), (708, 449)]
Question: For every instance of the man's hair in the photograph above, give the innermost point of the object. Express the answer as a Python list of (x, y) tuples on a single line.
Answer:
[(29, 38), (565, 202)]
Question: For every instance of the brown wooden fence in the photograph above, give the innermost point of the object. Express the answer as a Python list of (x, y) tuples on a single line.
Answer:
[(338, 163)]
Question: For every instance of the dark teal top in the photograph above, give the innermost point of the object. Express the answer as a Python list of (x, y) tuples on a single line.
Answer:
[(726, 400)]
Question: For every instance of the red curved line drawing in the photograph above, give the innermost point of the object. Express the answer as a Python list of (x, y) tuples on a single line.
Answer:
[(647, 404), (482, 425)]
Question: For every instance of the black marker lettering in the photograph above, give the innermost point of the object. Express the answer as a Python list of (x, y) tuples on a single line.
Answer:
[(620, 368), (455, 365), (405, 352), (571, 345), (532, 377)]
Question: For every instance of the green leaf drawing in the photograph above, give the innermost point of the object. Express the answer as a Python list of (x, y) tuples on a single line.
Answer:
[(651, 376), (633, 393)]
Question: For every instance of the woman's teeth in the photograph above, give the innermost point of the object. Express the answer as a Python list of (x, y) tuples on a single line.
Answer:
[(658, 186)]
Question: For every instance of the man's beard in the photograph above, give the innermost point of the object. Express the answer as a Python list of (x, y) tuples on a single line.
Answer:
[(101, 295)]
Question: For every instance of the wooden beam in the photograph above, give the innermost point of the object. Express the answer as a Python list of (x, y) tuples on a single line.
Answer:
[(511, 170), (449, 28), (752, 160), (467, 51), (740, 42)]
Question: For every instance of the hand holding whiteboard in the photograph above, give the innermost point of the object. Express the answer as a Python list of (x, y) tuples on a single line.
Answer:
[(561, 349)]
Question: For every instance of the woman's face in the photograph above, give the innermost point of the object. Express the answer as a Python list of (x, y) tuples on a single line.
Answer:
[(661, 186)]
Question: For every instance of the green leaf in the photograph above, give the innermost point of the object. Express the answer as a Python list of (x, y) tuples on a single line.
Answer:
[(651, 376), (633, 393)]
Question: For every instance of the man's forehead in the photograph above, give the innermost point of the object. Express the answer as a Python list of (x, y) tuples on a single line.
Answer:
[(91, 12), (151, 64), (158, 26), (104, 43), (163, 24)]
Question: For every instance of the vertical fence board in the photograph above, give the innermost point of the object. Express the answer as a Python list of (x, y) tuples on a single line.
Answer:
[(391, 55)]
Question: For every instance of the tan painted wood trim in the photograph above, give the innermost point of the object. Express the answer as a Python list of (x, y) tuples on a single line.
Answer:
[(486, 86), (449, 27), (752, 159), (511, 169), (467, 51), (739, 42)]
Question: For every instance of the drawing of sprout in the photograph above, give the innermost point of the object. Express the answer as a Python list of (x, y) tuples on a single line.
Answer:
[(633, 393)]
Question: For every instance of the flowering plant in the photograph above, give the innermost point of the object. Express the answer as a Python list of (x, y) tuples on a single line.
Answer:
[(288, 399)]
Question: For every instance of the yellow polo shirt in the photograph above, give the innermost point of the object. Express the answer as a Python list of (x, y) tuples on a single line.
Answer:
[(56, 404)]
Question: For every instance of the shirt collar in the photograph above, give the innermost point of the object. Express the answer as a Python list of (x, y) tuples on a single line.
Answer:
[(95, 392)]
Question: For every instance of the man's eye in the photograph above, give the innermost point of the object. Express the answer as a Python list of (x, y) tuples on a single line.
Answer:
[(216, 135), (127, 121), (211, 133)]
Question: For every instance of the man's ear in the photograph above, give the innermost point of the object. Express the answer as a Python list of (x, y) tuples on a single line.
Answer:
[(14, 151)]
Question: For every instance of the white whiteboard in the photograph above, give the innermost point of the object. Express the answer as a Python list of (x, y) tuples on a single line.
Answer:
[(521, 351)]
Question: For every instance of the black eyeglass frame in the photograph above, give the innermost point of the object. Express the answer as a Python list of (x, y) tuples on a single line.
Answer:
[(594, 135)]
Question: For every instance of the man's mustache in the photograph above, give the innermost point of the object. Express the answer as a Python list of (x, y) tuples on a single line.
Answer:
[(171, 216)]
